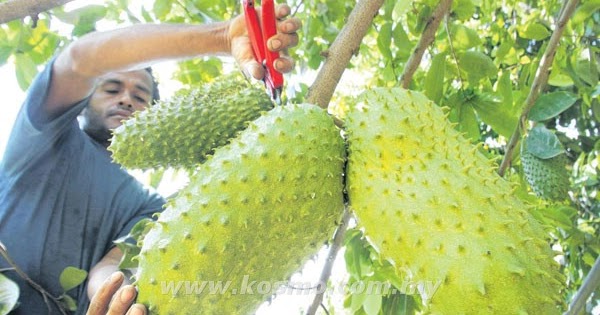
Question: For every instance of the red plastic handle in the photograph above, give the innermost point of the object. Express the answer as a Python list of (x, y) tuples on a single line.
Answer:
[(254, 30), (259, 34), (270, 29)]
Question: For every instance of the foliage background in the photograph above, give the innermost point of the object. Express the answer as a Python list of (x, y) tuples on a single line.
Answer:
[(480, 66)]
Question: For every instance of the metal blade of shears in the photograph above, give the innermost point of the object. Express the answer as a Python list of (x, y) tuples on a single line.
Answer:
[(259, 31)]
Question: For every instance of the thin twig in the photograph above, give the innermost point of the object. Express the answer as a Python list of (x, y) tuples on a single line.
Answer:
[(45, 294), (591, 282), (338, 239), (454, 57), (541, 78), (427, 38), (297, 8)]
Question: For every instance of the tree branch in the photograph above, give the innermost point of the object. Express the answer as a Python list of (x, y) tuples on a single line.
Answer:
[(16, 9), (339, 54), (427, 38), (541, 78), (338, 238), (45, 294), (591, 282)]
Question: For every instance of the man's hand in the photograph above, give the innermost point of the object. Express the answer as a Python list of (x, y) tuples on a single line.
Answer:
[(241, 48), (111, 300)]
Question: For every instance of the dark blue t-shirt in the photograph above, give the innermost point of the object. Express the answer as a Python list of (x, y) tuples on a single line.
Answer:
[(62, 199)]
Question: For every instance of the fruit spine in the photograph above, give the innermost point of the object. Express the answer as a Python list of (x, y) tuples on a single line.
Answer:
[(180, 132), (253, 212), (433, 204)]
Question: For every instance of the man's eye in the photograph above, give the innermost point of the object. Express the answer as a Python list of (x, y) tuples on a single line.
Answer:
[(111, 91), (140, 99)]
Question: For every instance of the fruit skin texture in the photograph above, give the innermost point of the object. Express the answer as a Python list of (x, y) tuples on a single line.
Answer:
[(548, 178), (180, 132), (430, 202), (261, 206)]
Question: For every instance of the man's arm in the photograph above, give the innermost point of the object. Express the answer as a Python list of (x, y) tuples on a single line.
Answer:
[(76, 68)]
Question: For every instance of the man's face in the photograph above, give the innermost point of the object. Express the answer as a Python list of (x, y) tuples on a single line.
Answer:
[(117, 96)]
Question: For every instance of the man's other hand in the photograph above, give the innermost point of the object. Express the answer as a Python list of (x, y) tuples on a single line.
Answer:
[(112, 299)]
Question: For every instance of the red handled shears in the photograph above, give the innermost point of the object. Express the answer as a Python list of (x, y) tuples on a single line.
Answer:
[(259, 34)]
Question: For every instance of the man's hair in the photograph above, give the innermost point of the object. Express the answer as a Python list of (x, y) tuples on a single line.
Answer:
[(155, 93)]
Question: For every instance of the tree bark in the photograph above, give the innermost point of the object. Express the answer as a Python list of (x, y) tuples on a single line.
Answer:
[(17, 9), (339, 54)]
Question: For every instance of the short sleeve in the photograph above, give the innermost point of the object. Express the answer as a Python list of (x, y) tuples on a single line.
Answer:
[(32, 138), (148, 204)]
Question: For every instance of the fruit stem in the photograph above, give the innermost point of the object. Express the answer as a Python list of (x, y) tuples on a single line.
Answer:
[(346, 44)]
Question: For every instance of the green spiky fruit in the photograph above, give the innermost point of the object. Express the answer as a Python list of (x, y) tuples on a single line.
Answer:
[(181, 131), (548, 178), (434, 205), (252, 214)]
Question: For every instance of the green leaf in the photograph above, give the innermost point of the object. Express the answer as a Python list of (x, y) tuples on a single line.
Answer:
[(463, 37), (585, 10), (128, 243), (25, 69), (400, 9), (129, 252), (588, 72), (9, 294), (5, 52), (156, 177), (161, 8), (372, 303), (560, 216), (357, 301), (535, 31), (464, 9), (68, 302), (434, 81), (543, 143), (384, 40), (551, 105), (463, 113), (477, 65), (402, 41), (71, 277), (588, 259), (84, 19), (560, 79), (504, 88), (495, 113), (197, 71)]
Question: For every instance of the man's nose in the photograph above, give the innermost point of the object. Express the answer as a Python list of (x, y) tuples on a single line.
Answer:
[(126, 100)]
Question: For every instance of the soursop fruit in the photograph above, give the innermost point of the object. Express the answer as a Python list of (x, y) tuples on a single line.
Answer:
[(181, 131), (433, 204), (548, 178), (250, 216)]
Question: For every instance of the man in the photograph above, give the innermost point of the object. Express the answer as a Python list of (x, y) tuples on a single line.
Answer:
[(62, 200)]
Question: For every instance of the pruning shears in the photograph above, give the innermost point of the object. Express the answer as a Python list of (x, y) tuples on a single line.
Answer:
[(259, 34)]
